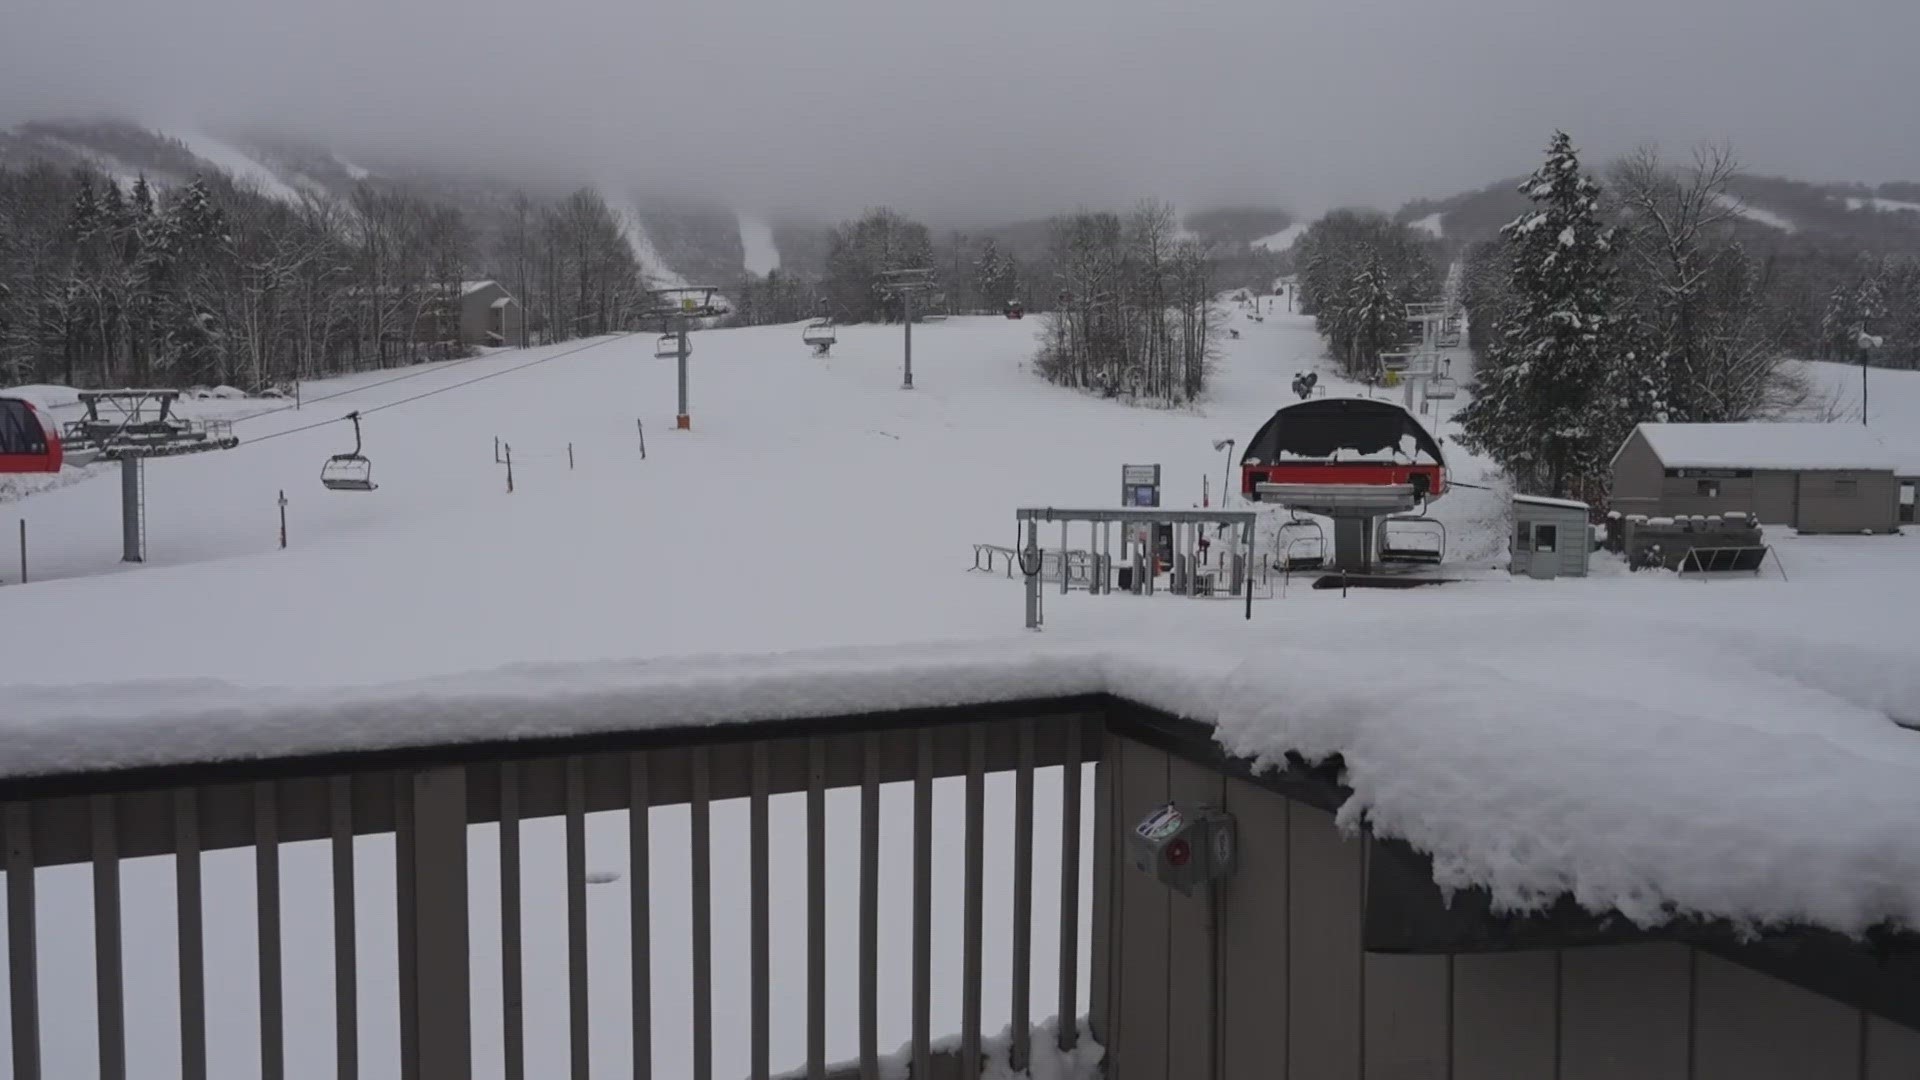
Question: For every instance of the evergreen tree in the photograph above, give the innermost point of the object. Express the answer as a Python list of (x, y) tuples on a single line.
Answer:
[(1559, 388)]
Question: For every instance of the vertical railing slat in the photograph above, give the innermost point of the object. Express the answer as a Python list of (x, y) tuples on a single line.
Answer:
[(512, 982), (23, 946), (405, 924), (441, 938), (108, 988), (266, 895), (346, 944), (923, 905), (1068, 1012), (702, 887), (576, 843), (971, 909), (189, 934), (639, 807), (870, 908), (760, 991), (816, 909), (1022, 1049)]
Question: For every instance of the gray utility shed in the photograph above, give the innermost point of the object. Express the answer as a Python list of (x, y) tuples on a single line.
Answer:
[(1816, 478), (1551, 537)]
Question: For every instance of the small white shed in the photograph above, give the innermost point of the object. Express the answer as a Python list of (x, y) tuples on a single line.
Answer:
[(1551, 537)]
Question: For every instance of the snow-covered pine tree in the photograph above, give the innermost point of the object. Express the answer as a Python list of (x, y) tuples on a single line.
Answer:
[(1376, 316), (1559, 389)]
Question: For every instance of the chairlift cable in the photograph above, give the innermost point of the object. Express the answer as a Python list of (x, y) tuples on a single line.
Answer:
[(438, 390)]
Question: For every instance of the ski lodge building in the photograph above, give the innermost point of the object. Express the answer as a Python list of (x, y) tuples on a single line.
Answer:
[(1816, 478)]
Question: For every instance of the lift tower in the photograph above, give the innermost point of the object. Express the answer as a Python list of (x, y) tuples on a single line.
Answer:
[(677, 308)]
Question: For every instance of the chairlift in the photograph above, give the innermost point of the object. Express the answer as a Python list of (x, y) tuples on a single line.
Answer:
[(1443, 388), (349, 472), (1412, 538), (1301, 544), (667, 346), (820, 335)]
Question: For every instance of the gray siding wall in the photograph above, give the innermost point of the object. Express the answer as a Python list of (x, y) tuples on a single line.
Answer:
[(1775, 496), (1300, 1000), (1873, 505), (1636, 477)]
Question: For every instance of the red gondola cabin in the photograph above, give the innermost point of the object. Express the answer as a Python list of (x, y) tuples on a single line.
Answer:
[(28, 442)]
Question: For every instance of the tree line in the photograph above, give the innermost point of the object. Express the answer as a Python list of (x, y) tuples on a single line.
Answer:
[(214, 282), (1609, 305), (1357, 272)]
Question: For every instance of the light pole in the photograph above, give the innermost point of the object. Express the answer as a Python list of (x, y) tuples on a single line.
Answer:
[(1865, 342), (1226, 479)]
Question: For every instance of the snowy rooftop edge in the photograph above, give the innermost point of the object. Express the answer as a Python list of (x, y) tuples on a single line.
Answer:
[(1801, 814), (1769, 445)]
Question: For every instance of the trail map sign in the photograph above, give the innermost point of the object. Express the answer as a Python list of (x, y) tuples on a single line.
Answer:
[(1140, 485)]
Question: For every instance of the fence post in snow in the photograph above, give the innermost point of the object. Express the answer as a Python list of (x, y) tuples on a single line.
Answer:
[(23, 551), (283, 519), (509, 450), (569, 457), (640, 427)]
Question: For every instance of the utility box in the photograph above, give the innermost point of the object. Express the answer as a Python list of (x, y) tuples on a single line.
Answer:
[(1185, 847)]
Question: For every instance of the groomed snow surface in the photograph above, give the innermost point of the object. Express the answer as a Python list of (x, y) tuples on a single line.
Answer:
[(1652, 746)]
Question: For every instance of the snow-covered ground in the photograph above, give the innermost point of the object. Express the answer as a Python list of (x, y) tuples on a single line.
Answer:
[(1762, 215), (1648, 744), (1284, 239), (241, 166)]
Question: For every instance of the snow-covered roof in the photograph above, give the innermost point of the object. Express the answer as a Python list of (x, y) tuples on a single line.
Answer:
[(1542, 500), (1905, 451), (468, 288), (1758, 445)]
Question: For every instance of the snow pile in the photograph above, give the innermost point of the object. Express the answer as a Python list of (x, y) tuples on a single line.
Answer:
[(1584, 738), (761, 255), (1049, 1063), (45, 396), (1641, 765), (1757, 445), (158, 722)]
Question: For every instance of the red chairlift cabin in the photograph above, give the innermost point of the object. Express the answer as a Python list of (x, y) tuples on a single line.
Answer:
[(1344, 443), (28, 442), (1016, 310)]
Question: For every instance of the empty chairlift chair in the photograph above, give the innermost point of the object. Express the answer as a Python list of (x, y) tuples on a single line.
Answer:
[(1412, 539), (1443, 389), (667, 346), (350, 471), (1301, 545), (820, 336)]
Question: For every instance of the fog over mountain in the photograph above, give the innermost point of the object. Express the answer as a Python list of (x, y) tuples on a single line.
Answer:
[(991, 110)]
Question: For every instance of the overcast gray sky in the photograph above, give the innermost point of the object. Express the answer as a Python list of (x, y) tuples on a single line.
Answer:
[(984, 108)]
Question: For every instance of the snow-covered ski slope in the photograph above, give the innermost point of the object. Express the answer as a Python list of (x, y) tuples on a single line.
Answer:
[(815, 505)]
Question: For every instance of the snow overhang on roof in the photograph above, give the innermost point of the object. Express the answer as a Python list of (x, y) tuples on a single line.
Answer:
[(1785, 447)]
